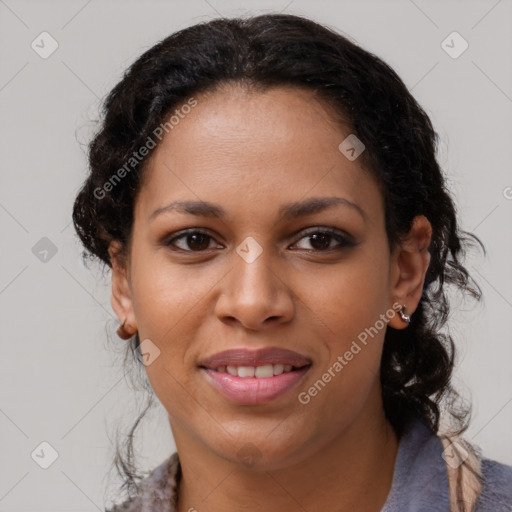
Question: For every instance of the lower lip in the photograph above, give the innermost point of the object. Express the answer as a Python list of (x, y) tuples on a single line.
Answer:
[(253, 390)]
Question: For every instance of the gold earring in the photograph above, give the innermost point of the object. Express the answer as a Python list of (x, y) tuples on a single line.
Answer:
[(126, 331)]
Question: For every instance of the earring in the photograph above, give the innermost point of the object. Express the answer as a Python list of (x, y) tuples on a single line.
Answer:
[(404, 315), (125, 331)]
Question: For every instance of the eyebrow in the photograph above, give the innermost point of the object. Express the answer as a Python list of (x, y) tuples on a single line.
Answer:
[(287, 212)]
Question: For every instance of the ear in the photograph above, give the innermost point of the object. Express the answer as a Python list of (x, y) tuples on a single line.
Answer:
[(409, 266), (121, 297)]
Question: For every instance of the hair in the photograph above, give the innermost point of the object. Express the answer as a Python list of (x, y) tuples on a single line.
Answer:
[(279, 50)]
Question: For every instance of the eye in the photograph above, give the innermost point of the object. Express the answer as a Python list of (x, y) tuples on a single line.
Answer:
[(196, 240), (321, 239)]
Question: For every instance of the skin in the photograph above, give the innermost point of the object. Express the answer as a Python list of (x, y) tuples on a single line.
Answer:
[(250, 153)]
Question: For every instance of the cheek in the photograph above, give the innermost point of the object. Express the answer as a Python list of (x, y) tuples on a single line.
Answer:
[(345, 305), (348, 297), (165, 293), (169, 304)]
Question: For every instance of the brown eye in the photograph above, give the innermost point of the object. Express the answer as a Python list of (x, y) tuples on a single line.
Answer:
[(192, 241), (322, 239)]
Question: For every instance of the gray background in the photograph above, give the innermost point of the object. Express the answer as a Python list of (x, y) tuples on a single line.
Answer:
[(62, 381)]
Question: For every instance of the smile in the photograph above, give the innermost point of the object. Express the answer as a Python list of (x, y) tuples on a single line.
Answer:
[(251, 385)]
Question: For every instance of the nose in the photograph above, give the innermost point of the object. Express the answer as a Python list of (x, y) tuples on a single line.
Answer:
[(255, 294)]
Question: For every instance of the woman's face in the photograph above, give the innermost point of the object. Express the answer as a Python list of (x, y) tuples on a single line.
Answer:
[(256, 276)]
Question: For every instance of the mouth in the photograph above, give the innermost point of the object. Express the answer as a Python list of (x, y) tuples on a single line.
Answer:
[(254, 385), (251, 377)]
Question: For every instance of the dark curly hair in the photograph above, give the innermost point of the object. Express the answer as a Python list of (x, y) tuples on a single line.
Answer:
[(364, 92)]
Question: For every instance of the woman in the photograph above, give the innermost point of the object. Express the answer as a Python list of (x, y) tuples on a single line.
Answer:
[(268, 197)]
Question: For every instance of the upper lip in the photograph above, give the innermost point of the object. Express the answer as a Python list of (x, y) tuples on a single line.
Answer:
[(246, 357)]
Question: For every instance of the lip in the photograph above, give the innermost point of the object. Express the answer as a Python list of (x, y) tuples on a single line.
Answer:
[(246, 357), (254, 390)]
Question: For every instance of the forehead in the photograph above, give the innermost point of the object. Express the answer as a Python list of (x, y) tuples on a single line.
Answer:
[(243, 148)]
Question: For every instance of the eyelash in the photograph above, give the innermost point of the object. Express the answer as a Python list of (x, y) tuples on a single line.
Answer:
[(344, 240)]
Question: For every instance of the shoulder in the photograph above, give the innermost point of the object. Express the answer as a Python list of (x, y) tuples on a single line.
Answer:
[(496, 495), (156, 492), (432, 470)]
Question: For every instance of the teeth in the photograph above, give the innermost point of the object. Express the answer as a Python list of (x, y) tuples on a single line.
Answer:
[(246, 371), (264, 371), (260, 372), (278, 369)]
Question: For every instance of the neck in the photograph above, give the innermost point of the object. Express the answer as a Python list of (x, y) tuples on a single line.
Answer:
[(354, 471)]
